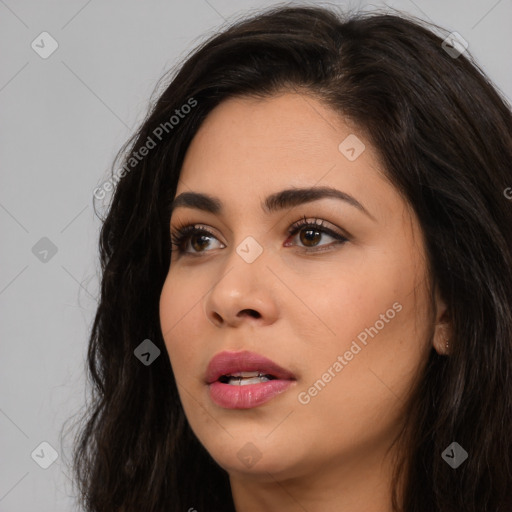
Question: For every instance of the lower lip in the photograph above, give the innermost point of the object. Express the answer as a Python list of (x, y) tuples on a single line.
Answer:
[(246, 397)]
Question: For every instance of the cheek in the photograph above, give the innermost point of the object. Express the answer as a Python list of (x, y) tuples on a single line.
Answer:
[(179, 310), (181, 317), (377, 315), (363, 393), (352, 299)]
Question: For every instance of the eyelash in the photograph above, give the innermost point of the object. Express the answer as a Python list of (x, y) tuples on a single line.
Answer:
[(183, 233)]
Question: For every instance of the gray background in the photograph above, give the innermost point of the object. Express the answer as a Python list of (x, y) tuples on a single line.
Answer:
[(63, 118)]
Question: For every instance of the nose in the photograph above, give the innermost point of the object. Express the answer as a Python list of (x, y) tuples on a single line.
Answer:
[(244, 293)]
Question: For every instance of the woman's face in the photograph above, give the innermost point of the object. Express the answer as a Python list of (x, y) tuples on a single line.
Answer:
[(342, 308)]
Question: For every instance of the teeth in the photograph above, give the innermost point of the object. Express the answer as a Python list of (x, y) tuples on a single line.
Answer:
[(245, 378), (245, 381)]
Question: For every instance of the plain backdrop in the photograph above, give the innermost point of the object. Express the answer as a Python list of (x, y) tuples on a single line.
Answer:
[(63, 118)]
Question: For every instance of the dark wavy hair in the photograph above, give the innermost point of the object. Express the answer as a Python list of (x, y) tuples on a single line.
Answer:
[(443, 132)]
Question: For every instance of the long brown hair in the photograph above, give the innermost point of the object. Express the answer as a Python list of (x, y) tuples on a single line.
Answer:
[(443, 132)]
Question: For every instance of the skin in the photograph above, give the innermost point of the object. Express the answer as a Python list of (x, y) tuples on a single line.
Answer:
[(330, 454)]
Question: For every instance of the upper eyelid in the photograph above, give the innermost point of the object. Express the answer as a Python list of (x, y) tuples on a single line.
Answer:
[(304, 220), (180, 225), (302, 223)]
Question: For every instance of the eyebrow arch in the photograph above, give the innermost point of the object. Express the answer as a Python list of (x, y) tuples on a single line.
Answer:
[(278, 201)]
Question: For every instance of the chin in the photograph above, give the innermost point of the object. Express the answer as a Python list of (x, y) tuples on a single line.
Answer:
[(263, 470), (255, 456)]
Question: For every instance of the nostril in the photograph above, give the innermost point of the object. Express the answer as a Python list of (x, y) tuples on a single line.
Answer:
[(251, 312)]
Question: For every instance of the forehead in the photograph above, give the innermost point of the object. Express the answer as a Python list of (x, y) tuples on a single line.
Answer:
[(249, 148)]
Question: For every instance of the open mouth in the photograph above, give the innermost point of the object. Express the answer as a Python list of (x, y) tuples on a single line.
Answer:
[(245, 378)]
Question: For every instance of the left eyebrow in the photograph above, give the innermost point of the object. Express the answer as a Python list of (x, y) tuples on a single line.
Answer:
[(278, 201)]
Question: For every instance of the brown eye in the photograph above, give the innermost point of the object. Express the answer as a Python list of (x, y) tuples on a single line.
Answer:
[(310, 237), (198, 239), (199, 242)]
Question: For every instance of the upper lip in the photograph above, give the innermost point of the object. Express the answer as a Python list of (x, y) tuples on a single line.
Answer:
[(227, 363)]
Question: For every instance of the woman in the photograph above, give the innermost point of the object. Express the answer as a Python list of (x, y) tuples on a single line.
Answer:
[(307, 280)]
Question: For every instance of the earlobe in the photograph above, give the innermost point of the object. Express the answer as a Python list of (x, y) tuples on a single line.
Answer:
[(443, 331), (443, 339)]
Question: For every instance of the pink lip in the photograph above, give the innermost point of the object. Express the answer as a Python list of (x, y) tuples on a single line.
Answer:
[(251, 395)]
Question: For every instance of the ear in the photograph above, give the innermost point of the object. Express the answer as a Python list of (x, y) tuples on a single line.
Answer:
[(443, 330)]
